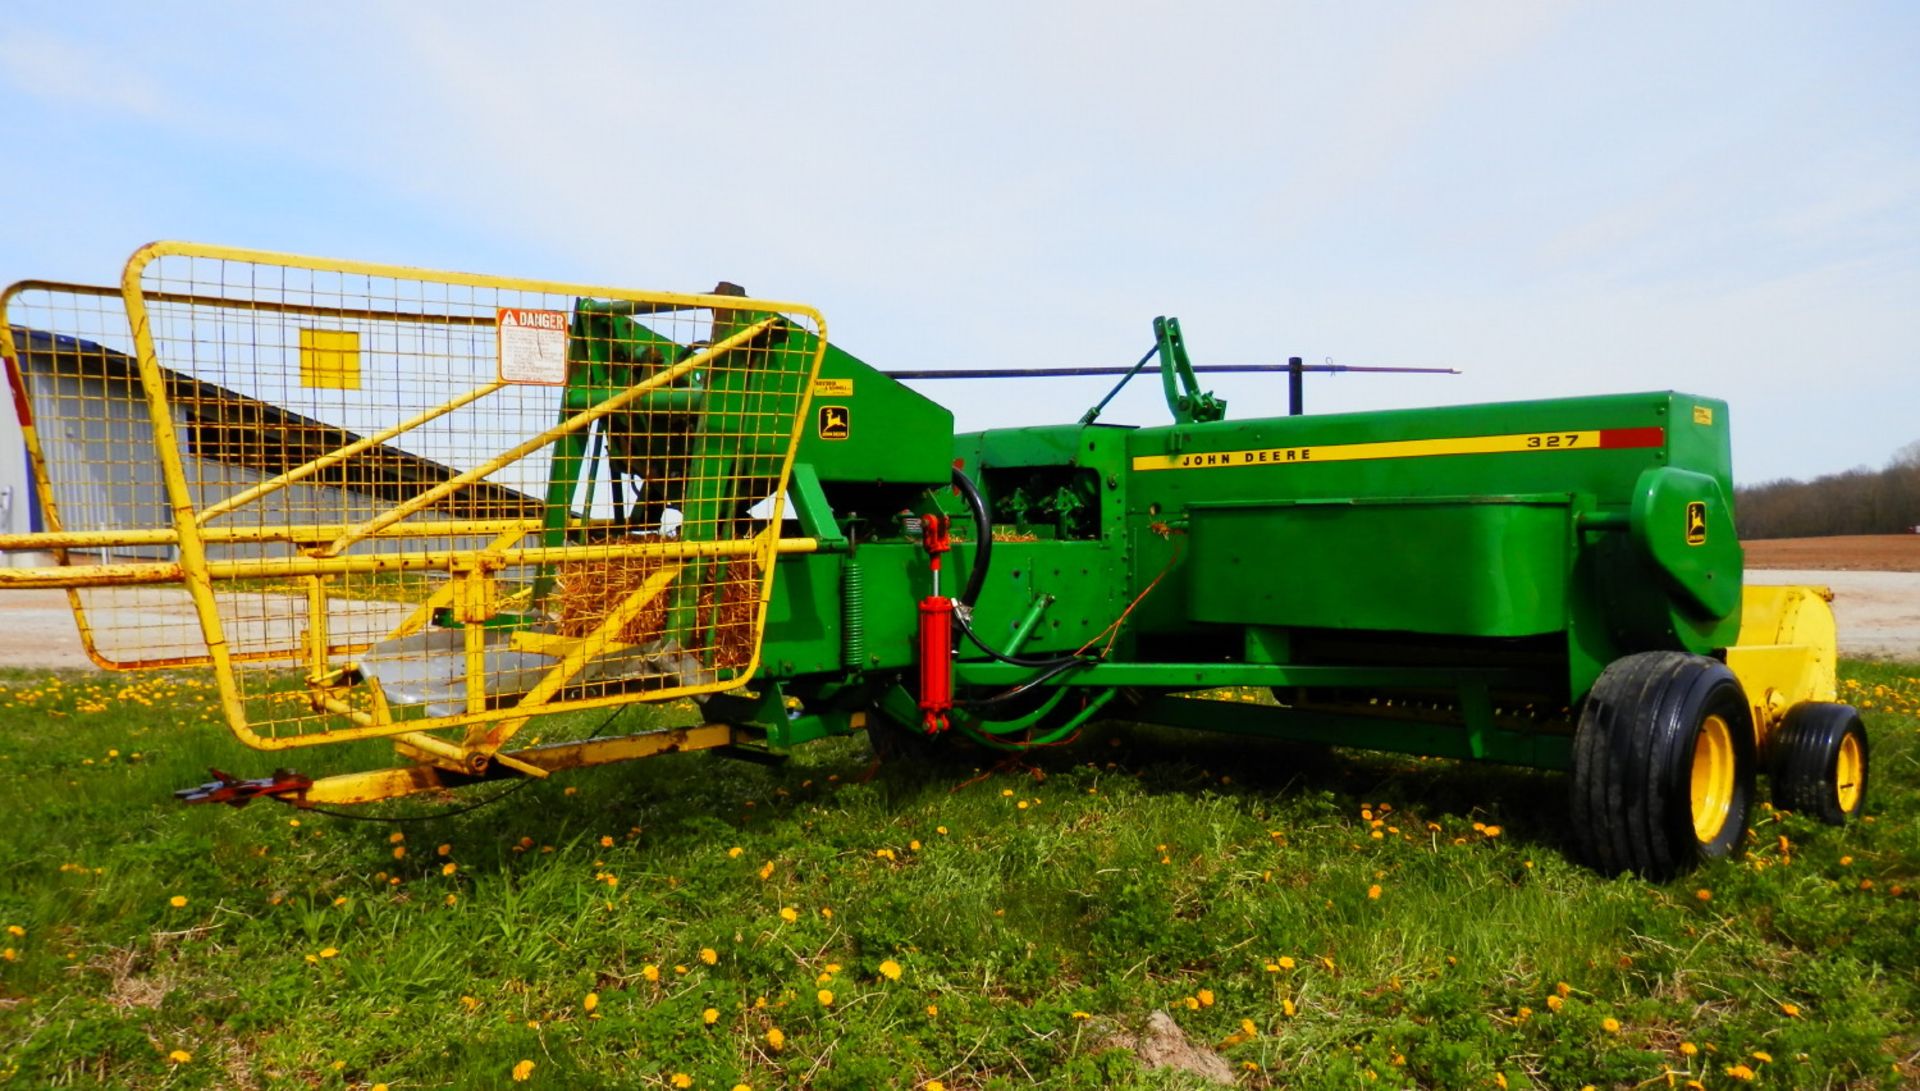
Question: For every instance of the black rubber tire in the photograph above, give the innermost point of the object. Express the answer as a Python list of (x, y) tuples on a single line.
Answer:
[(1805, 765), (1633, 755)]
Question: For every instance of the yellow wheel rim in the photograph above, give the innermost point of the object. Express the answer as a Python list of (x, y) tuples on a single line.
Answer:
[(1848, 773), (1712, 779)]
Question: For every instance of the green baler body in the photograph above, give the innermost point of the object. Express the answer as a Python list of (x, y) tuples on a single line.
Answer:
[(1482, 564)]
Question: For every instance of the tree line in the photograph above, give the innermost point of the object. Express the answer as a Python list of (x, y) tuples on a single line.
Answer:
[(1858, 501)]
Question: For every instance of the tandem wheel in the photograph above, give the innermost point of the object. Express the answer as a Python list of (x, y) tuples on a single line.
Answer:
[(1663, 766), (1819, 762)]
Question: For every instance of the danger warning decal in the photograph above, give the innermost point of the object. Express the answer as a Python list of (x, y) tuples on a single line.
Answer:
[(533, 346), (1515, 443)]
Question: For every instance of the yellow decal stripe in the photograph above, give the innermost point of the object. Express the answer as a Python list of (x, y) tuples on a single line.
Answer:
[(1515, 443)]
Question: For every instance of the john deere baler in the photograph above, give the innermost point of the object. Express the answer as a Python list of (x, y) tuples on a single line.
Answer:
[(431, 507)]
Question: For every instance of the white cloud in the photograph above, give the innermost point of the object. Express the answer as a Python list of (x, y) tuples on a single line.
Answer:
[(60, 69)]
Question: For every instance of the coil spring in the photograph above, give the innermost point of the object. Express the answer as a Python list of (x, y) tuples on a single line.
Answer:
[(853, 615)]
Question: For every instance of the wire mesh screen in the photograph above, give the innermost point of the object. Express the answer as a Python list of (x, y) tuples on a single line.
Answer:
[(90, 442), (417, 500)]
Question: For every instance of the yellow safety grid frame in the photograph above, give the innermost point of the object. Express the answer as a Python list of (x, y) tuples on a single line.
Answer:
[(403, 501), (83, 417)]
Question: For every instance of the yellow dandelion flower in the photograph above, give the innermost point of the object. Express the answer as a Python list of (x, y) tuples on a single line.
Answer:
[(470, 1002), (890, 970), (650, 972), (1491, 831), (522, 1071), (1563, 989), (1703, 894), (709, 956), (1006, 793), (1287, 1008), (443, 850), (1555, 1003), (741, 1087), (766, 870), (179, 1056), (396, 837), (1500, 1080), (1739, 1072), (1247, 1028), (825, 996), (1791, 1011), (329, 952), (1763, 1056), (680, 1079), (178, 901), (1081, 1015), (776, 1040), (453, 899), (827, 912), (933, 1085), (734, 852), (606, 842), (449, 868), (15, 930), (710, 1016), (1610, 1025), (591, 1002), (399, 852), (941, 830), (1205, 996), (789, 914), (1688, 1049), (913, 846), (1285, 961), (1373, 892)]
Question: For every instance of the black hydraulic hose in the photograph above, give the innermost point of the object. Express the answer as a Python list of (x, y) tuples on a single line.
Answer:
[(1023, 687), (983, 535), (960, 618)]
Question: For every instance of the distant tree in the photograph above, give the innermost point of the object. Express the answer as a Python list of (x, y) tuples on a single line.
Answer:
[(1858, 501)]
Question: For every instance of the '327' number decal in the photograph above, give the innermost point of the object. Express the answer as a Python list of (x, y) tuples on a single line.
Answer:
[(1558, 439)]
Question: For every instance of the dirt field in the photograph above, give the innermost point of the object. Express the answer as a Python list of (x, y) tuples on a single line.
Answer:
[(1857, 553)]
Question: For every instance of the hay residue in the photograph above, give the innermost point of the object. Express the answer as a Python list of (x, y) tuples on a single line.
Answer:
[(589, 590)]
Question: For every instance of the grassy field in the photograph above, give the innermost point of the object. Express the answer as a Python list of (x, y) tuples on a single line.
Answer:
[(1319, 919)]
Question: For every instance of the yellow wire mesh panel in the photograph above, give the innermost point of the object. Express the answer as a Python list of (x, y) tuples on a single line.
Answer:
[(419, 500), (90, 441)]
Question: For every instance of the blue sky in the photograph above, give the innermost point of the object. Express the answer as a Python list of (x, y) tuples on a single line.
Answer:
[(1558, 199)]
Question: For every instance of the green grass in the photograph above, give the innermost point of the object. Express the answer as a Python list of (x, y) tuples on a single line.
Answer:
[(1147, 869)]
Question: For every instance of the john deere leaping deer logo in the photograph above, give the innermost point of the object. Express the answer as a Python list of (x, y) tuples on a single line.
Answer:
[(835, 422), (1697, 523)]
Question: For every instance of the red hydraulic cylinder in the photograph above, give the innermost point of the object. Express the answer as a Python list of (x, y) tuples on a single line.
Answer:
[(936, 662), (936, 634)]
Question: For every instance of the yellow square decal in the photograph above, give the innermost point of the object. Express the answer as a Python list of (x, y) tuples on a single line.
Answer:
[(330, 359), (1703, 414)]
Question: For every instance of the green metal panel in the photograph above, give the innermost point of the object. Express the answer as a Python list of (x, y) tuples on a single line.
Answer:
[(865, 427), (1396, 574), (1343, 564)]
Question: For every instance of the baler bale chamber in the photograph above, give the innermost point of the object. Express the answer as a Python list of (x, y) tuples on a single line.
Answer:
[(735, 510)]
